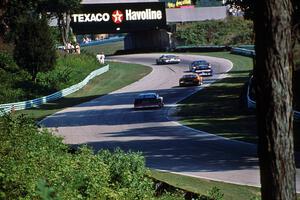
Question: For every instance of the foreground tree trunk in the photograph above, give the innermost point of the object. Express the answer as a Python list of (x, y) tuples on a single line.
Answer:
[(273, 72)]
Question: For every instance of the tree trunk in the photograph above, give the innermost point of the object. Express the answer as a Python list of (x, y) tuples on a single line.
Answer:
[(3, 25), (273, 72), (64, 27)]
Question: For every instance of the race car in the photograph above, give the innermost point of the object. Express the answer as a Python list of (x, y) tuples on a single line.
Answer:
[(202, 67), (190, 79), (148, 100), (168, 59)]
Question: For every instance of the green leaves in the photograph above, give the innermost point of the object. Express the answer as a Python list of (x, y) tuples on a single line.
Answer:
[(233, 31), (34, 164), (34, 50)]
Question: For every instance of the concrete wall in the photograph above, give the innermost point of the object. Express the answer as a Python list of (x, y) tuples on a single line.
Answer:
[(195, 14), (152, 40)]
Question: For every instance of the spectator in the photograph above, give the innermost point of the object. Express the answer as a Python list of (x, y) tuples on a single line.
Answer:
[(72, 48), (100, 57), (68, 47), (77, 48)]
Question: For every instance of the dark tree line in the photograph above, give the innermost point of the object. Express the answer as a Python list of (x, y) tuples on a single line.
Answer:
[(25, 24)]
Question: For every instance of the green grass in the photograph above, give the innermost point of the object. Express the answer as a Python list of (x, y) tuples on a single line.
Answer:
[(119, 75), (202, 186), (79, 66), (69, 70), (107, 49), (216, 109)]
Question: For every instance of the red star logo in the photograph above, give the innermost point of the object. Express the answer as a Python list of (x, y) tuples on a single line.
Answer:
[(117, 16)]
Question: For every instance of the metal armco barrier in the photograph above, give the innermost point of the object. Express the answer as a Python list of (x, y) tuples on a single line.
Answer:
[(251, 104), (10, 107), (243, 52), (296, 114)]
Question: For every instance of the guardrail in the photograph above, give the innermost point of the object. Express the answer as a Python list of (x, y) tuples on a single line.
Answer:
[(9, 107), (105, 41), (247, 46), (251, 104), (242, 51), (296, 114), (210, 48)]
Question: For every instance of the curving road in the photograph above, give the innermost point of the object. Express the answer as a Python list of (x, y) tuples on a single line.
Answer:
[(110, 122)]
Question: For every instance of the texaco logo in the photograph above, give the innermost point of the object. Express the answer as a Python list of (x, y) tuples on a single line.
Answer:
[(117, 16)]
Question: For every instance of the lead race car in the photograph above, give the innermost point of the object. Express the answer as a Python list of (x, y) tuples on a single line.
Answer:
[(148, 100), (168, 59)]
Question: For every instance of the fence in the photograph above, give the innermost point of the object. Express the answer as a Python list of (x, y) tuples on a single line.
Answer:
[(6, 108), (243, 52), (210, 48), (251, 104)]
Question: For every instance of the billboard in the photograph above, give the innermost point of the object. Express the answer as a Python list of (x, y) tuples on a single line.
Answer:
[(118, 18)]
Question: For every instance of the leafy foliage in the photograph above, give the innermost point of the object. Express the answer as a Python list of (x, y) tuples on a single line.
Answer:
[(215, 194), (13, 12), (10, 74), (62, 10), (247, 6), (34, 164), (34, 50), (232, 31), (7, 62), (16, 84)]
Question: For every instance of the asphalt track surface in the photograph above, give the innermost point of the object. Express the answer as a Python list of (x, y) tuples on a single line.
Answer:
[(110, 121)]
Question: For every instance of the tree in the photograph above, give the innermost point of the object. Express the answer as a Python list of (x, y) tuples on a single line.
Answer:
[(273, 72), (12, 14), (3, 26), (248, 7), (62, 10), (34, 47)]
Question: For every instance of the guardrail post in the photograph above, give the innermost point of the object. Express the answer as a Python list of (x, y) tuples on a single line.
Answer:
[(13, 109)]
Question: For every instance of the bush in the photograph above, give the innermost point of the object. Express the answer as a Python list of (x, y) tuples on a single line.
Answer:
[(70, 69), (7, 62), (34, 50), (233, 31), (16, 85), (36, 164), (10, 75)]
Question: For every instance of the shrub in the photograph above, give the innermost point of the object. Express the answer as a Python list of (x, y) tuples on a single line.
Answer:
[(7, 62), (10, 74), (34, 50), (233, 31), (34, 164), (16, 85)]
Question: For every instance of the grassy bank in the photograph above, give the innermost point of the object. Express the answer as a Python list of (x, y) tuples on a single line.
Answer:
[(119, 75), (203, 186), (107, 49), (217, 109), (16, 84)]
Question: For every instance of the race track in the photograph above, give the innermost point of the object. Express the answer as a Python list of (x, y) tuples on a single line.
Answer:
[(110, 121)]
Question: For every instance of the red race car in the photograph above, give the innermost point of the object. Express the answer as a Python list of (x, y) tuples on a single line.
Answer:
[(148, 100)]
